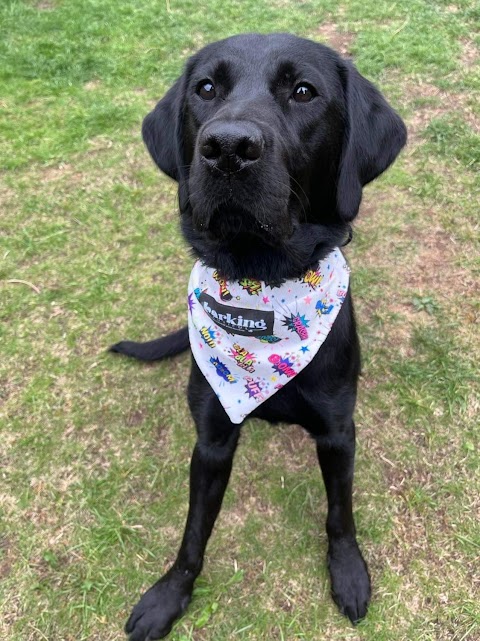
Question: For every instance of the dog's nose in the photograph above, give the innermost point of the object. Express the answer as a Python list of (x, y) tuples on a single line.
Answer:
[(231, 146)]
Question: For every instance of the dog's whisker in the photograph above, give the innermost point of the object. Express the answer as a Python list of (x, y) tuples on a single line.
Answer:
[(291, 190)]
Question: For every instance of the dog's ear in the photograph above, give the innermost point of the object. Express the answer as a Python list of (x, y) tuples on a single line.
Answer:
[(374, 136), (162, 130)]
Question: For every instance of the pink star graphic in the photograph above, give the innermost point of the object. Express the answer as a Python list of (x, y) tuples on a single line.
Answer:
[(266, 299), (307, 300)]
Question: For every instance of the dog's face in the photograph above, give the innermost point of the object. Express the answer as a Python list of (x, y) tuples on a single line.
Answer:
[(271, 139)]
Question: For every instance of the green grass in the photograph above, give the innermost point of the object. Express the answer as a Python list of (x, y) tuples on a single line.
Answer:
[(95, 450)]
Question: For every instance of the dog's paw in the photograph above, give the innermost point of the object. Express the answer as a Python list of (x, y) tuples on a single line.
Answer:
[(157, 610), (350, 580)]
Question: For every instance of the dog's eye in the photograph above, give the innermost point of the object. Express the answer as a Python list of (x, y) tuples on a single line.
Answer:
[(304, 93), (206, 90)]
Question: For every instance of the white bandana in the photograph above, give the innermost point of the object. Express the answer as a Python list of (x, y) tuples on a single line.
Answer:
[(249, 337)]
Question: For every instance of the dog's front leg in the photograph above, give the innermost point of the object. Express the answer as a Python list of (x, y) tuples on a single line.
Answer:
[(348, 571), (166, 600)]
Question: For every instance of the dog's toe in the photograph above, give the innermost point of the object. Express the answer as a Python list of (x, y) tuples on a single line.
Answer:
[(155, 613), (350, 580)]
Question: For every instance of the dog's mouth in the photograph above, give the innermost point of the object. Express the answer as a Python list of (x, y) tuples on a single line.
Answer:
[(232, 224)]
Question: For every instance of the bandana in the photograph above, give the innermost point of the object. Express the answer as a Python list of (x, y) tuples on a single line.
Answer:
[(250, 337)]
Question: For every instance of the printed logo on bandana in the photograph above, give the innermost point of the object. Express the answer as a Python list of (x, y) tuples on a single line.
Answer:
[(322, 307), (254, 389), (313, 278), (297, 324), (269, 339), (235, 320), (222, 370), (252, 286), (243, 358), (224, 291), (208, 335), (274, 284), (282, 365)]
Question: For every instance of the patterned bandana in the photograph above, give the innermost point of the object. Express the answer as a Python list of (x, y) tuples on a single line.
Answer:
[(250, 337)]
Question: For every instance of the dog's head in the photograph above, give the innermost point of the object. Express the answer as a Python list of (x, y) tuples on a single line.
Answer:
[(271, 139)]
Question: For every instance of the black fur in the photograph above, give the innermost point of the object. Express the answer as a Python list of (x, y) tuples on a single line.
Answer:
[(155, 350), (267, 187)]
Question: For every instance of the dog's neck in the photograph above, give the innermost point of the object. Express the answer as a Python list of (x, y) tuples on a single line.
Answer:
[(251, 257)]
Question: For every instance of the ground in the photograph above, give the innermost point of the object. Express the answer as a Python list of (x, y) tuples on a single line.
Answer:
[(95, 450)]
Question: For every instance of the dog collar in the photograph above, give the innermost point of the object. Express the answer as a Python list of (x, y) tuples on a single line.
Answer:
[(250, 337)]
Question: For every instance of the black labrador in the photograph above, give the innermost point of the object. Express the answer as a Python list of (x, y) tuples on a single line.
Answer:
[(271, 139)]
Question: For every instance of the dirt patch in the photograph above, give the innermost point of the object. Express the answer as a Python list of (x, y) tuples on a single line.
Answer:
[(430, 103), (341, 41), (416, 258), (292, 449), (7, 195), (470, 57), (76, 176), (436, 258), (45, 5), (50, 174), (91, 85), (429, 257), (5, 569), (135, 418), (248, 504), (6, 557)]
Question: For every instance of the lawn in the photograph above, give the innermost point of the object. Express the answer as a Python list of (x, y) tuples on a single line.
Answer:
[(95, 450)]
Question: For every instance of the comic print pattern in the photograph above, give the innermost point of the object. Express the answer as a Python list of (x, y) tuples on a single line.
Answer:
[(250, 338)]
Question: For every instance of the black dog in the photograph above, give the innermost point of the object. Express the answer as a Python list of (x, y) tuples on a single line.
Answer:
[(271, 139)]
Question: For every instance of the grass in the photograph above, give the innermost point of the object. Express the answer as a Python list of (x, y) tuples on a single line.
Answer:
[(95, 450)]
